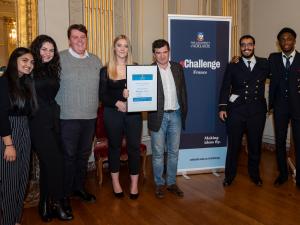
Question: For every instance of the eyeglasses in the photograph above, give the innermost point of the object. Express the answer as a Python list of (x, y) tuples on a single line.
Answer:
[(243, 45)]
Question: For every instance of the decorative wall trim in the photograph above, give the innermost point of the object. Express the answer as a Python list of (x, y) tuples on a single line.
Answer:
[(99, 20), (231, 8), (26, 21)]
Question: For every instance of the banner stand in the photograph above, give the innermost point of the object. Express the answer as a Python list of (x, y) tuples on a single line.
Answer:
[(201, 44)]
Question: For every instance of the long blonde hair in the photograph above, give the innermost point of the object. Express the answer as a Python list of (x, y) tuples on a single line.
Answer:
[(112, 63)]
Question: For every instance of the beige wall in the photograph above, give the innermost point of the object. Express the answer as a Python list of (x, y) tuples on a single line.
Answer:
[(267, 17), (53, 20)]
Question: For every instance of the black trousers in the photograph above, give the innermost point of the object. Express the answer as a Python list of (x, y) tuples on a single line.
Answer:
[(44, 131), (76, 138), (116, 125), (238, 123), (45, 142), (281, 122)]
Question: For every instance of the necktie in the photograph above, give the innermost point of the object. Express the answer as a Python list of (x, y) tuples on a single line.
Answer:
[(249, 62), (288, 63)]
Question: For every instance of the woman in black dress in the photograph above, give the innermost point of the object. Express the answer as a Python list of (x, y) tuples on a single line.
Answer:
[(44, 129), (17, 102)]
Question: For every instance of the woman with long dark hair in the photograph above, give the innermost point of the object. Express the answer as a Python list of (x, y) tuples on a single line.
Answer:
[(17, 102), (117, 120), (44, 129)]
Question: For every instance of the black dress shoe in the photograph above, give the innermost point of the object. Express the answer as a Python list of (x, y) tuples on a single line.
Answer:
[(119, 194), (159, 191), (227, 182), (280, 180), (257, 181), (85, 196), (59, 212), (173, 188), (67, 205), (45, 211), (134, 196)]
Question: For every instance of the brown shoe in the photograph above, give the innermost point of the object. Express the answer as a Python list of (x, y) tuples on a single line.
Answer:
[(159, 191), (175, 190)]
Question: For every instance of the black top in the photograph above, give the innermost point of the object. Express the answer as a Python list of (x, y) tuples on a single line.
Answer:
[(47, 115), (6, 108), (46, 89), (110, 91)]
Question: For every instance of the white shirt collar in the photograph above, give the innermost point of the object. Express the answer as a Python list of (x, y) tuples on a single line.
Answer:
[(292, 55), (167, 68), (252, 59), (76, 55)]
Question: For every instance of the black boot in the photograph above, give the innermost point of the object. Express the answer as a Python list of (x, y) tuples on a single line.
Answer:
[(59, 212), (45, 210), (67, 205)]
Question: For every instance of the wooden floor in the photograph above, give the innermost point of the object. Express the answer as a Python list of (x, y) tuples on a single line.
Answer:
[(206, 202)]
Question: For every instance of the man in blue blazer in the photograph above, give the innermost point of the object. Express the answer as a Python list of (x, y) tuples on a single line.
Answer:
[(243, 107), (284, 100)]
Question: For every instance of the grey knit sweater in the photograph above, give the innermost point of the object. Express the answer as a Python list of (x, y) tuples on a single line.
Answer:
[(79, 86)]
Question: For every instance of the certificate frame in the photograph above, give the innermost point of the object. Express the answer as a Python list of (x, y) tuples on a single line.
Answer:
[(142, 86)]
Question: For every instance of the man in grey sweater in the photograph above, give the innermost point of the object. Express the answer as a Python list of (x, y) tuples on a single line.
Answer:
[(78, 99)]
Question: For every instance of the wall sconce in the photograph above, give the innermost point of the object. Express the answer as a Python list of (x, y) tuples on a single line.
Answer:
[(13, 32)]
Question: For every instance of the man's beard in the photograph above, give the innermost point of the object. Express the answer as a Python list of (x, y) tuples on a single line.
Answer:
[(247, 56)]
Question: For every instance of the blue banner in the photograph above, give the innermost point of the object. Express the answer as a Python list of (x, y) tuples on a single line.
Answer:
[(202, 46)]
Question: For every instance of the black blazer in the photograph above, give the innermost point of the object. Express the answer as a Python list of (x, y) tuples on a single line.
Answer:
[(248, 85), (155, 117), (277, 71)]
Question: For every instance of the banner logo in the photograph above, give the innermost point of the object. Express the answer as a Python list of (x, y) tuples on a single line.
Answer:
[(200, 43), (200, 36)]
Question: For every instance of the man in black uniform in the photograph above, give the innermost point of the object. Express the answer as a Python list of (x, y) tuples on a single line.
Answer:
[(243, 106), (284, 99)]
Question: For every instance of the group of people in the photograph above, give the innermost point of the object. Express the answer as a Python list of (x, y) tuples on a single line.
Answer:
[(49, 102), (242, 105)]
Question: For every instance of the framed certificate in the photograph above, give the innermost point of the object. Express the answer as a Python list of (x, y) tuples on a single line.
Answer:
[(142, 86)]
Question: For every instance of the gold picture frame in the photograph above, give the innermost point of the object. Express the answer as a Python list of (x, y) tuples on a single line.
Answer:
[(27, 28)]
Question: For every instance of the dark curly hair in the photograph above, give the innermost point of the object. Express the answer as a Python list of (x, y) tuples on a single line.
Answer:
[(54, 67)]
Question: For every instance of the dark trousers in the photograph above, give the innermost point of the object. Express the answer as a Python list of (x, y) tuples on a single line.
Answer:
[(281, 122), (116, 125), (76, 137), (46, 144), (237, 123)]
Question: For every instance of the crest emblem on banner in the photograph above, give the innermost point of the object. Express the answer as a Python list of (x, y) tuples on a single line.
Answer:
[(200, 36)]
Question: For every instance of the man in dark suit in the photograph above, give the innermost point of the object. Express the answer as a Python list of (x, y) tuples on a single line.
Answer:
[(243, 106), (165, 124), (284, 100)]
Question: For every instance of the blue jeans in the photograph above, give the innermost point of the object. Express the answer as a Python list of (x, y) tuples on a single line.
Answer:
[(167, 138)]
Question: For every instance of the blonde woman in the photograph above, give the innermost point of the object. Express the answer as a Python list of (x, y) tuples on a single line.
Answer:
[(117, 121)]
